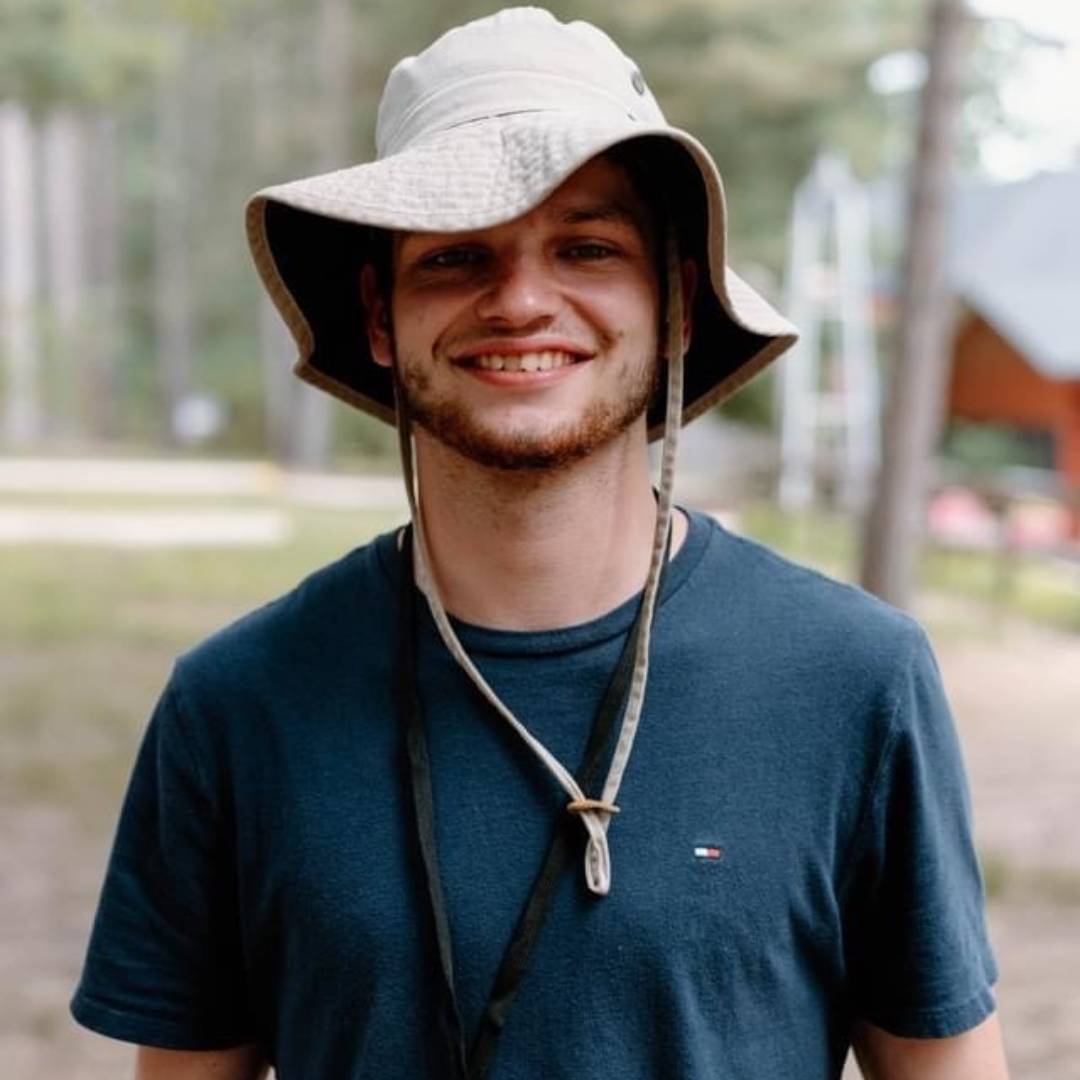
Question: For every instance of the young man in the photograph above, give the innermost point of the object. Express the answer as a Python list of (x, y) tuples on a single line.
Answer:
[(559, 780)]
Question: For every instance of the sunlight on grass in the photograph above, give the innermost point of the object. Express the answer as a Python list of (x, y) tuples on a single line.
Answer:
[(55, 593)]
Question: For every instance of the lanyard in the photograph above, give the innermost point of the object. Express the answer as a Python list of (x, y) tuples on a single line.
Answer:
[(472, 1063)]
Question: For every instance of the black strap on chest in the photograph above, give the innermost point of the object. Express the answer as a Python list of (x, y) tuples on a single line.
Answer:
[(473, 1062)]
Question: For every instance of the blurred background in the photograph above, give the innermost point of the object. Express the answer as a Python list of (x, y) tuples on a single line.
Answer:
[(903, 178)]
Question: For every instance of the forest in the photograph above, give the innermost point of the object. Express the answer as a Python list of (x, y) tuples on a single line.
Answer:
[(131, 136)]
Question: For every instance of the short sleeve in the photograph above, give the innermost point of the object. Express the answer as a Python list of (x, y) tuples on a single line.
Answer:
[(164, 965), (918, 956)]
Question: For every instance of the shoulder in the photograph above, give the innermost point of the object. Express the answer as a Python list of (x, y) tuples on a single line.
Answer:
[(792, 612), (299, 635)]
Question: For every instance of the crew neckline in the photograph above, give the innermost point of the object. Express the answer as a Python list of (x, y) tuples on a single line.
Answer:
[(483, 640)]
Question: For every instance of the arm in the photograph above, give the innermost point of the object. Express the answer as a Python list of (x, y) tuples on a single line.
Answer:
[(165, 965), (241, 1063), (977, 1054), (919, 962)]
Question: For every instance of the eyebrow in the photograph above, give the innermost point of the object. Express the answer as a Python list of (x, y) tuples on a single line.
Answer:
[(612, 210)]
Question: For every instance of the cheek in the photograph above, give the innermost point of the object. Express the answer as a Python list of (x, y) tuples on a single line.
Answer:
[(420, 326), (627, 310)]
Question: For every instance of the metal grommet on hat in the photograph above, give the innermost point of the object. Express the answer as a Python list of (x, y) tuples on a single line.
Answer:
[(637, 81)]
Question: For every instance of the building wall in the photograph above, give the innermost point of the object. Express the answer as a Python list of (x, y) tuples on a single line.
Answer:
[(993, 383)]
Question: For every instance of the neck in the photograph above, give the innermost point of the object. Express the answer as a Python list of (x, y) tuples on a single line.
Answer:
[(528, 550)]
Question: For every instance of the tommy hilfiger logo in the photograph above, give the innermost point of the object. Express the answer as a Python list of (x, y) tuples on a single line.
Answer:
[(708, 852)]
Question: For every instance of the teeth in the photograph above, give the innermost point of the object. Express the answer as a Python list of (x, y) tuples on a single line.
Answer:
[(533, 361)]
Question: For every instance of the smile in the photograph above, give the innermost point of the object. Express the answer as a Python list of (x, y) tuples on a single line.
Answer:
[(526, 362)]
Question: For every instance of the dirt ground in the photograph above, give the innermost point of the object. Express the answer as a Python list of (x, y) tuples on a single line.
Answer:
[(1016, 694)]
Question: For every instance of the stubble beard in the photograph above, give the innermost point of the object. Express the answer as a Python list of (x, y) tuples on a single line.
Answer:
[(452, 423)]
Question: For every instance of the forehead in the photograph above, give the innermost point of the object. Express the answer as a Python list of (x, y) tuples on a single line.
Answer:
[(601, 190)]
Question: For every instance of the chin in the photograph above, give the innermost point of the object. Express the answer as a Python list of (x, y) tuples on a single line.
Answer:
[(527, 454), (528, 449)]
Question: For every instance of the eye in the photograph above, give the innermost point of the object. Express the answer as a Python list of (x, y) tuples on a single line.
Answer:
[(590, 251), (456, 258)]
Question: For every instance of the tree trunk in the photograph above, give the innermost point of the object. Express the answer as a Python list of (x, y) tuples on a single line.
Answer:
[(65, 260), (100, 380), (18, 278), (276, 347), (172, 285), (912, 423)]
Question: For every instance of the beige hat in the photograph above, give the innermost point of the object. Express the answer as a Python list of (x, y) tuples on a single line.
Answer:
[(477, 130)]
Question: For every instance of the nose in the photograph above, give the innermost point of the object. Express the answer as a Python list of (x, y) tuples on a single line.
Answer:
[(521, 293)]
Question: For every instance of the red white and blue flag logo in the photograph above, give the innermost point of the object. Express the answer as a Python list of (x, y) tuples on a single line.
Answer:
[(708, 851)]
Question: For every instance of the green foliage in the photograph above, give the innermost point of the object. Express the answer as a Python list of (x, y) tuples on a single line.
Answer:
[(765, 84), (67, 52), (988, 448), (755, 403)]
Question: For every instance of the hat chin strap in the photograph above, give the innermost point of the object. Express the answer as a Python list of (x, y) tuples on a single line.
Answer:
[(594, 814)]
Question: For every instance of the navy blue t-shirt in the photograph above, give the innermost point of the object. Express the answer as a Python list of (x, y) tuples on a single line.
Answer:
[(793, 851)]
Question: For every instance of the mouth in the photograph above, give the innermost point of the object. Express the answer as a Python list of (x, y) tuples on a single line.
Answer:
[(525, 362)]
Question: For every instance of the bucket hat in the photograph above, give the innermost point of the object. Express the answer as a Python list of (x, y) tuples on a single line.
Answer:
[(477, 130)]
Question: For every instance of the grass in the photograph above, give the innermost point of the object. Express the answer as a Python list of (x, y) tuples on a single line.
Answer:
[(67, 593)]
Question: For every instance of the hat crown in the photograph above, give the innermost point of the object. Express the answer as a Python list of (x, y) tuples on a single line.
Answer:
[(517, 60)]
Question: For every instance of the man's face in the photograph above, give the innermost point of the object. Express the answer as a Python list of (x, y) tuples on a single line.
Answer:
[(529, 344)]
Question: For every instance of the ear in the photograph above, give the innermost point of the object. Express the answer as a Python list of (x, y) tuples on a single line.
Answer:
[(689, 281), (376, 318)]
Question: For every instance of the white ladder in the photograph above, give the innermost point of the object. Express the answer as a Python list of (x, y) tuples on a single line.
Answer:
[(828, 386)]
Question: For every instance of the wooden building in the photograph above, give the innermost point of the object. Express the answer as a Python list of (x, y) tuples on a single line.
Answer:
[(1015, 270)]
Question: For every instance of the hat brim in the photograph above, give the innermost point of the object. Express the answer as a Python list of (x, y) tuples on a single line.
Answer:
[(310, 239)]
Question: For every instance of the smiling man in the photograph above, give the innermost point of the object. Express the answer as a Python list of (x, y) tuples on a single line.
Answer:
[(559, 779)]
